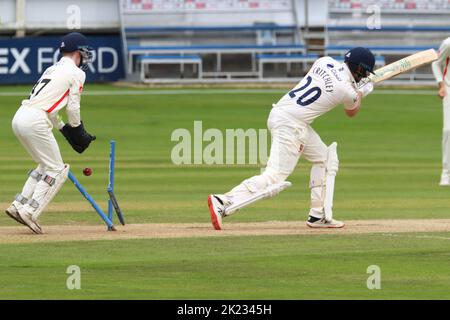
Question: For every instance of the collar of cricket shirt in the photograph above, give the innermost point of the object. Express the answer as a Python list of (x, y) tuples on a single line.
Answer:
[(64, 59)]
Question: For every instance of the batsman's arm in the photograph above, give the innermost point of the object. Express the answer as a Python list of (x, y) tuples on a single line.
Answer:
[(437, 68), (442, 91), (352, 110), (353, 97), (440, 65), (366, 89), (56, 121), (437, 71)]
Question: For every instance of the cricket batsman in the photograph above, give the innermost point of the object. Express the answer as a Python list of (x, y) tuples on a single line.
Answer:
[(59, 86), (328, 84), (440, 70)]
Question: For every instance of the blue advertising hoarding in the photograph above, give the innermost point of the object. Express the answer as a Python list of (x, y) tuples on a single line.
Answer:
[(23, 60)]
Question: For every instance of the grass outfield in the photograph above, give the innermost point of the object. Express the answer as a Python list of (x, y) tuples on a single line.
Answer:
[(389, 168), (319, 267)]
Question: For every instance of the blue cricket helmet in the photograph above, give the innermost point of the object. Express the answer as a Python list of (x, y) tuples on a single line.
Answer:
[(360, 57), (75, 41)]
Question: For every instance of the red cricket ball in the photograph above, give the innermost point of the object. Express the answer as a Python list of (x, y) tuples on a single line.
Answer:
[(87, 171)]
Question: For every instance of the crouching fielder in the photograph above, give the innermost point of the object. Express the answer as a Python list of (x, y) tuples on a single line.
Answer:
[(60, 85), (327, 84)]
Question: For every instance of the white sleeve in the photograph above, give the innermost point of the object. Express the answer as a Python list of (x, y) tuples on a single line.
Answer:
[(73, 105), (366, 89), (439, 65), (56, 120), (350, 96)]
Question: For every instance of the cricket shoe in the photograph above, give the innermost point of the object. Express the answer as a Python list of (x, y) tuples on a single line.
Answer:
[(13, 213), (314, 222), (28, 220), (217, 205), (445, 180)]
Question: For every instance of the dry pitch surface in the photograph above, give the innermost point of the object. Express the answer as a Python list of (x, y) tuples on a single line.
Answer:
[(56, 233)]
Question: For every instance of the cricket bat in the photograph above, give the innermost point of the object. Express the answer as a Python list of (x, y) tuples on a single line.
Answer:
[(403, 65)]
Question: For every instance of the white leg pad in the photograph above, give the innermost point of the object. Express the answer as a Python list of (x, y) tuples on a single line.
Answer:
[(33, 178), (446, 151), (266, 193), (46, 190), (332, 166), (317, 186)]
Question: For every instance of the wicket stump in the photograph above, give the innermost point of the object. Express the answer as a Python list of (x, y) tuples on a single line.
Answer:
[(112, 202)]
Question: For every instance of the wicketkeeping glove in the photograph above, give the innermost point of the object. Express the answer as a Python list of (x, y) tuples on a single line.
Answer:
[(77, 137)]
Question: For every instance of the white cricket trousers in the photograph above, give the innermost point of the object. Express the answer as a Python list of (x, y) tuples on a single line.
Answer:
[(290, 140), (446, 134), (33, 128)]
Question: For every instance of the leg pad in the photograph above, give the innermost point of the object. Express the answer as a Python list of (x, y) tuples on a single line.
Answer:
[(20, 198), (35, 174)]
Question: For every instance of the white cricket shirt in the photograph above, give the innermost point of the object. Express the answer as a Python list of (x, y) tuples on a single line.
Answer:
[(328, 84), (60, 85)]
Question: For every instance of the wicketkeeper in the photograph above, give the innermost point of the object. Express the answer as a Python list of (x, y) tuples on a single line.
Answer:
[(327, 84), (59, 86), (440, 70)]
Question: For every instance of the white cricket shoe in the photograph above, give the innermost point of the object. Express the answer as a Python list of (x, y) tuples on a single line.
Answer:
[(322, 223), (28, 220), (13, 213), (217, 205), (445, 180)]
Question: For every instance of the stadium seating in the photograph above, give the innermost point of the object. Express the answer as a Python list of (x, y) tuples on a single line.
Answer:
[(218, 50), (405, 27), (232, 43), (379, 61), (397, 6), (213, 43), (227, 35), (283, 58), (147, 60), (203, 5), (377, 50)]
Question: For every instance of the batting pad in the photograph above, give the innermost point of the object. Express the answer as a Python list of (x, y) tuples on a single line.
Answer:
[(332, 169), (268, 192), (52, 191)]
